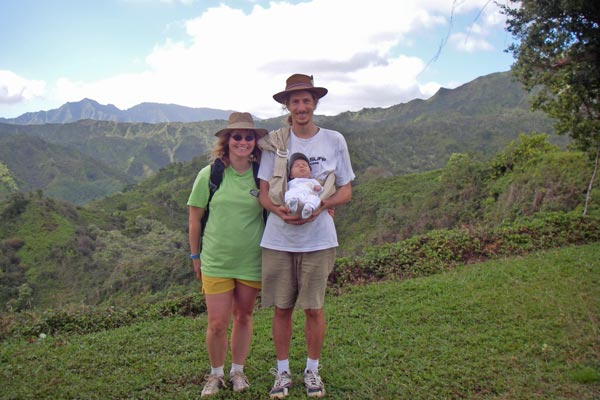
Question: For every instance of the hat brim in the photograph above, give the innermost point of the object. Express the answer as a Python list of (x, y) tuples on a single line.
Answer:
[(318, 91)]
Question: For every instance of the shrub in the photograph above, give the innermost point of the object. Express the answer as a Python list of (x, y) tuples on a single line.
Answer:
[(441, 250), (94, 319)]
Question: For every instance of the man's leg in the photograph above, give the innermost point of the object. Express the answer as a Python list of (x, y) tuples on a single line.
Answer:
[(316, 267), (314, 329), (282, 332), (282, 336)]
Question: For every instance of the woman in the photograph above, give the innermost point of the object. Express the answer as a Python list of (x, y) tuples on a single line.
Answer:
[(230, 265)]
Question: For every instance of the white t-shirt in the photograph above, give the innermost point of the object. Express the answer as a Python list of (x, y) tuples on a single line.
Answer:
[(326, 151)]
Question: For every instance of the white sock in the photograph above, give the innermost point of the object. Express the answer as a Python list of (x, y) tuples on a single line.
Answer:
[(293, 205), (283, 365), (217, 370), (311, 365), (236, 368), (307, 211)]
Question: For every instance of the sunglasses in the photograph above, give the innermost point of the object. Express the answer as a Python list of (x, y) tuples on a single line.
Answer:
[(237, 137)]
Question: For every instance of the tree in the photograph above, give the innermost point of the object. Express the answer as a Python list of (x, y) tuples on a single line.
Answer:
[(558, 55)]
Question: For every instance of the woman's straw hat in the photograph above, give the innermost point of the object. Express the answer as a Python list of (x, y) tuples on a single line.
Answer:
[(241, 120)]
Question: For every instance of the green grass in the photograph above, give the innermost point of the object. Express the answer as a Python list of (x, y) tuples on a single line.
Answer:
[(521, 328)]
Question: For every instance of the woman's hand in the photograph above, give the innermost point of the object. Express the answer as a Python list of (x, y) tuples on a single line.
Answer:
[(197, 265)]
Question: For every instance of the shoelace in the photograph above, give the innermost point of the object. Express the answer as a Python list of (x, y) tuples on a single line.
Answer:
[(314, 380), (236, 377), (213, 382), (279, 378)]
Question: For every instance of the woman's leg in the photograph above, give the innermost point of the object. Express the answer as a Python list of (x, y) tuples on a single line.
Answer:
[(244, 298), (218, 307)]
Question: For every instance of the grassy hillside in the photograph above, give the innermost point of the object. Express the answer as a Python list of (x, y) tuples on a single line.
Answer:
[(518, 328)]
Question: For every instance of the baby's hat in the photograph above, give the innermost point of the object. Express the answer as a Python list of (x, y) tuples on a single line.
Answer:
[(295, 157)]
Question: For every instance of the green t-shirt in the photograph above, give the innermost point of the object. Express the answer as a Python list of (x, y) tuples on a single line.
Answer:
[(231, 241)]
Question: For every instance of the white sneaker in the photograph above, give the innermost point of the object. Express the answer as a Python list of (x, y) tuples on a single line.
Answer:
[(214, 382), (313, 384), (281, 387), (238, 381)]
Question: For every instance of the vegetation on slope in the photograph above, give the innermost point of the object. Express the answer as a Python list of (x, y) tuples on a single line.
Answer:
[(30, 164), (528, 176), (133, 246)]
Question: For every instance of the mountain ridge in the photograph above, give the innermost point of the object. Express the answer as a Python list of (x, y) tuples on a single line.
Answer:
[(144, 112)]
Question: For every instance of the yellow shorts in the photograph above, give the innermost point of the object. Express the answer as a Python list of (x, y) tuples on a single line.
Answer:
[(216, 285)]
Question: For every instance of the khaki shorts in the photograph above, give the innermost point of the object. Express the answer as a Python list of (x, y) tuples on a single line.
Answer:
[(217, 285), (295, 278)]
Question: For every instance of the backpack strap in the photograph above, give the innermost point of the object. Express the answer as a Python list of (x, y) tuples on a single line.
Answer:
[(216, 177), (255, 167)]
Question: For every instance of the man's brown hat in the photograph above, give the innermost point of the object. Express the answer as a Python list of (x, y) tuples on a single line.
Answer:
[(241, 120), (299, 82)]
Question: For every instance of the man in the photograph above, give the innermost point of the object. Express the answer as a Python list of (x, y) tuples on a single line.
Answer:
[(299, 254)]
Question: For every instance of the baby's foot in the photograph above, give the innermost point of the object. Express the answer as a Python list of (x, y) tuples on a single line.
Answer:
[(292, 204), (307, 211)]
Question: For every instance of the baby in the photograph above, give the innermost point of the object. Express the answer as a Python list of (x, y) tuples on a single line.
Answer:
[(303, 191)]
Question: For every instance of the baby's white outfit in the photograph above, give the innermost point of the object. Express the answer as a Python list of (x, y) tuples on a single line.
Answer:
[(301, 195)]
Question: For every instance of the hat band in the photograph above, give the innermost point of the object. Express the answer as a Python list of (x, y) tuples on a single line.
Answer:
[(298, 85)]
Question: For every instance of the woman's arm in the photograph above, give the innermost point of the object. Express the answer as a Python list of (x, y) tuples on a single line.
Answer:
[(195, 235)]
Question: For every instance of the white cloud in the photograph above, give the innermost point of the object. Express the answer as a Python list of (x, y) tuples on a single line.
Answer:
[(475, 36), (15, 89), (237, 60), (469, 42)]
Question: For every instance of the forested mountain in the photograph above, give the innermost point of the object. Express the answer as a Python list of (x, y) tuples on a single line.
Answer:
[(144, 112), (30, 163), (482, 116), (132, 151)]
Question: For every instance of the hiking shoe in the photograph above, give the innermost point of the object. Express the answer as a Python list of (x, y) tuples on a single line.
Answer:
[(281, 387), (314, 384), (213, 383), (238, 381)]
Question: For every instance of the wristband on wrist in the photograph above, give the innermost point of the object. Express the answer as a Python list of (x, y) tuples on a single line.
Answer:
[(195, 256)]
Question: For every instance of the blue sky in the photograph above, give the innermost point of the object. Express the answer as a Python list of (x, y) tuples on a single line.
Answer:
[(237, 54)]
